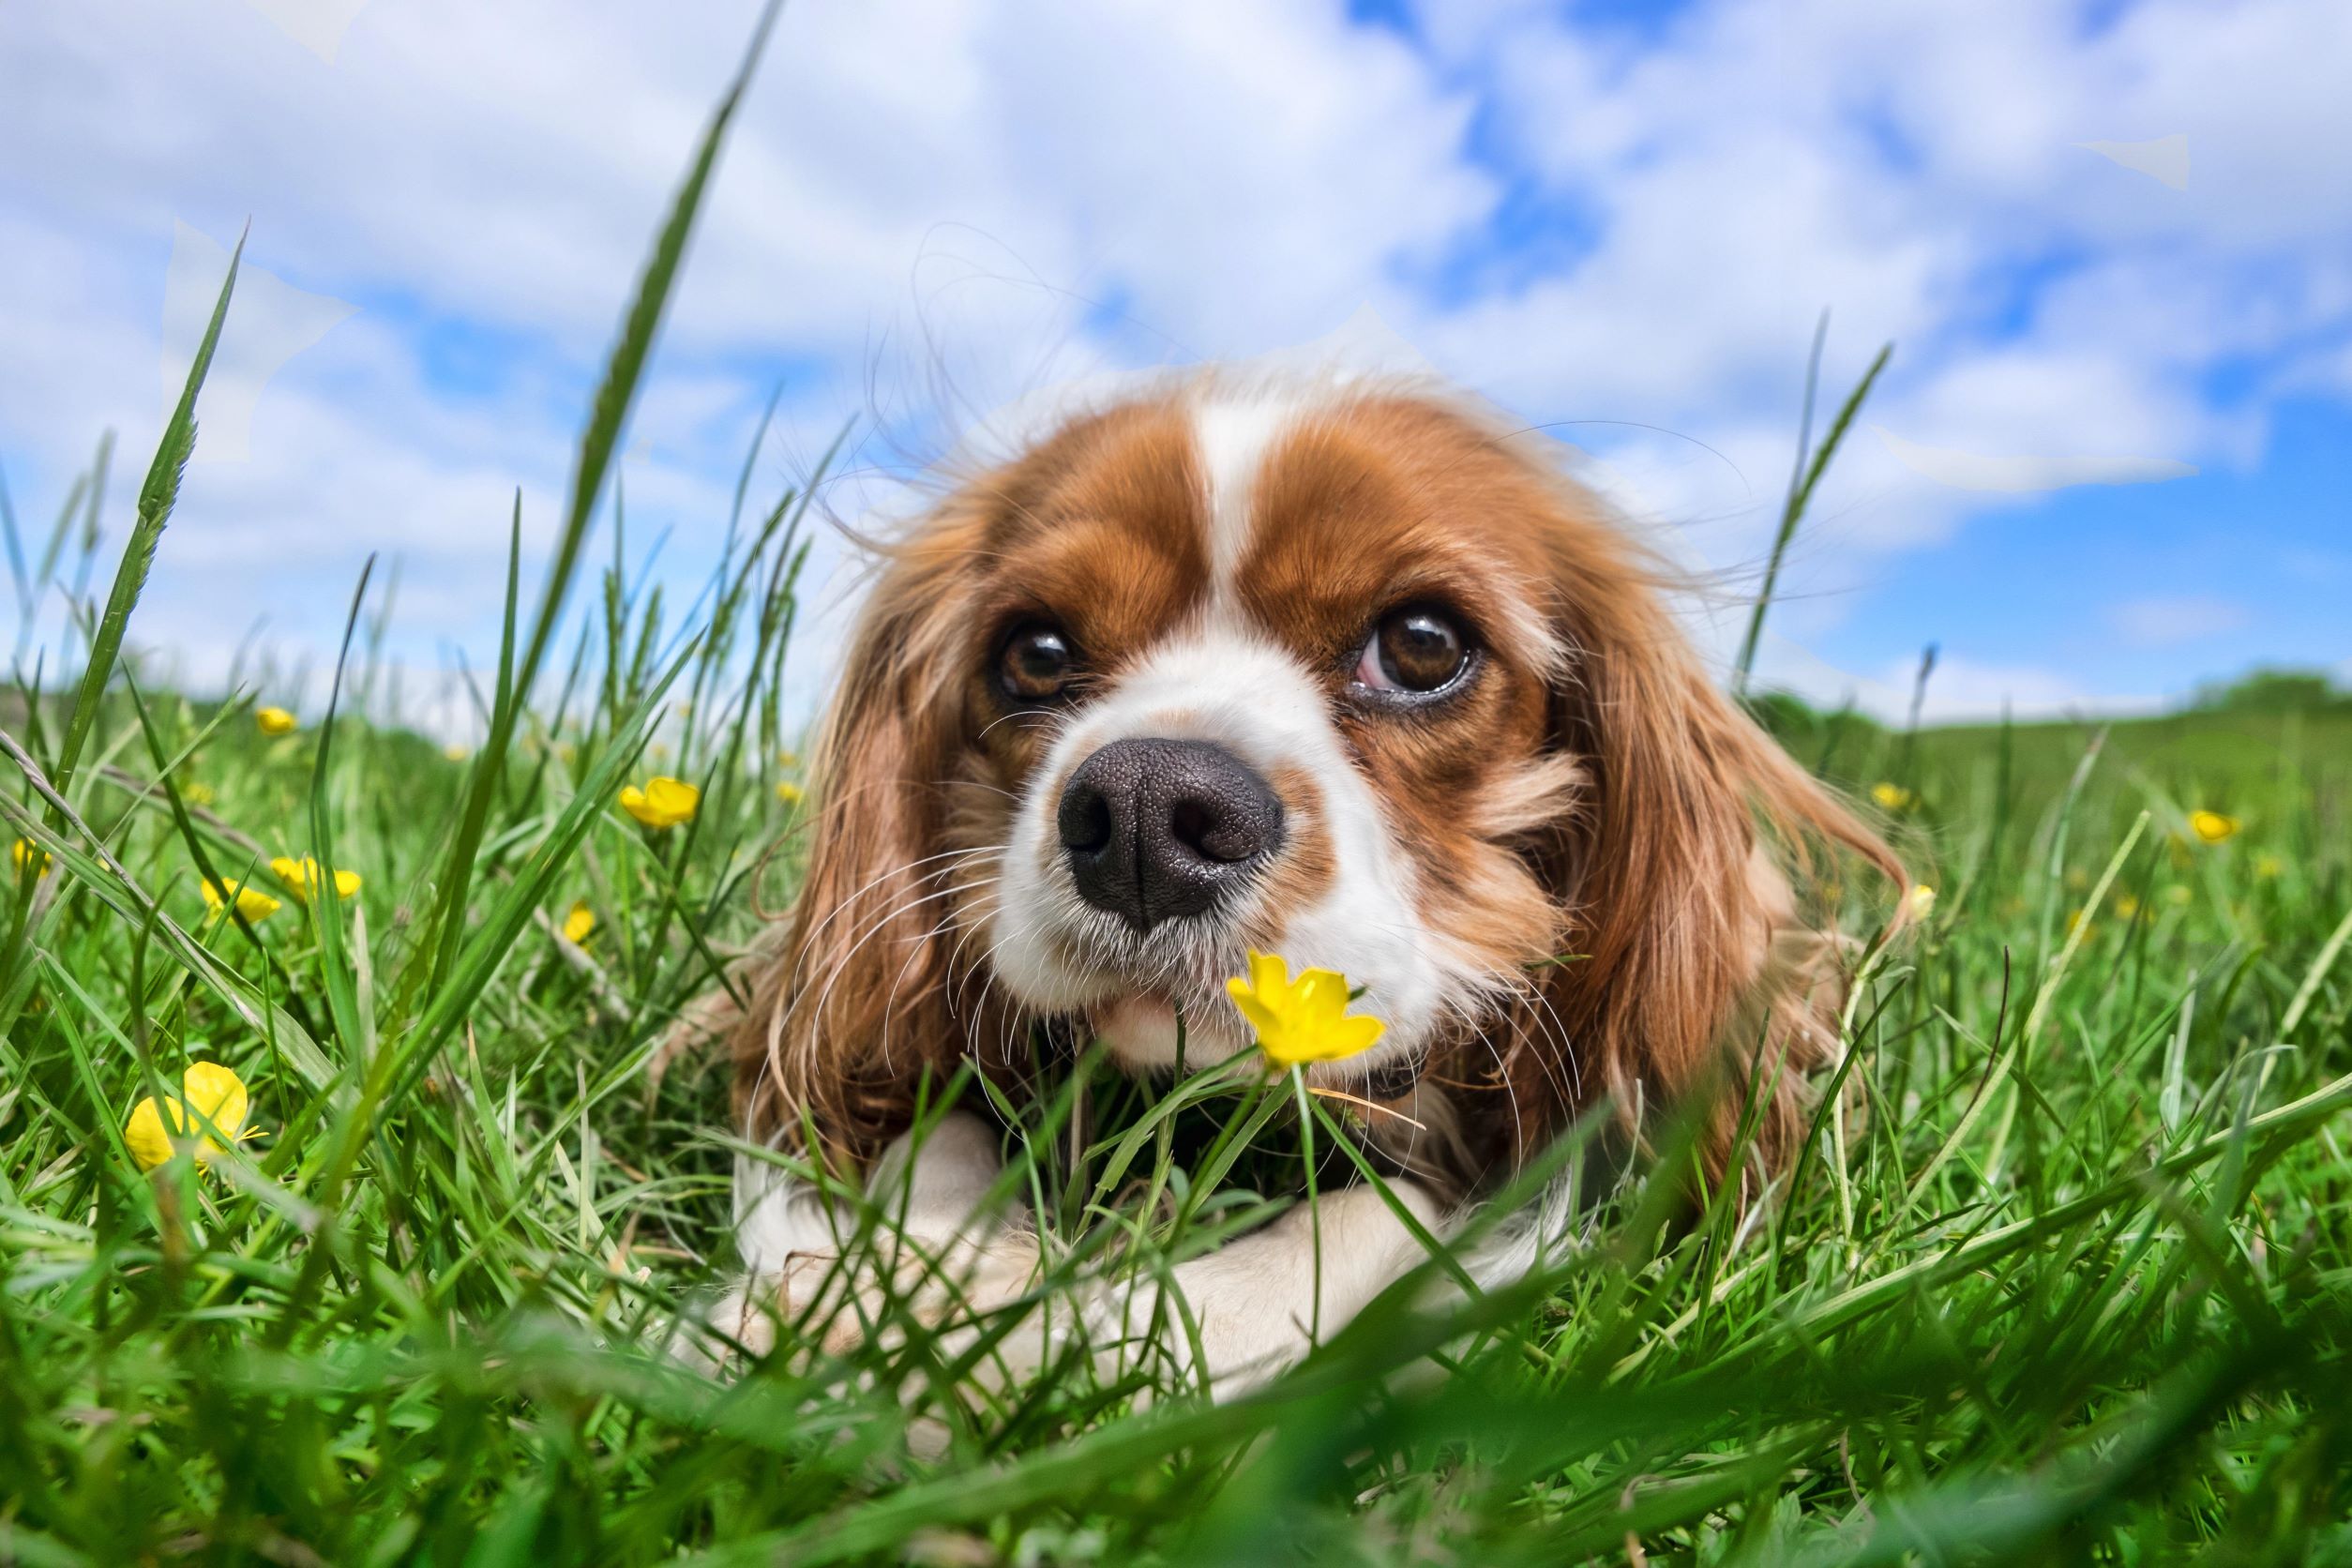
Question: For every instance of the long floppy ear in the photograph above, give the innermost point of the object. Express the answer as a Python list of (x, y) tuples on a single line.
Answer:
[(1708, 960), (850, 1010)]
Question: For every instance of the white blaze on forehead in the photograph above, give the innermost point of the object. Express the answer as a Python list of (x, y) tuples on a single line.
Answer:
[(1234, 433)]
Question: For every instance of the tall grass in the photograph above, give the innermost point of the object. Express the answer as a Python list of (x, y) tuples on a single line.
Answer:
[(2073, 1286)]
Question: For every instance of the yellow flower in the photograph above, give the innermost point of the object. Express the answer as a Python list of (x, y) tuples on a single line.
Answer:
[(196, 793), (455, 752), (788, 759), (788, 791), (663, 802), (252, 902), (2081, 921), (578, 923), (22, 853), (2268, 865), (1300, 1021), (1920, 903), (2177, 894), (1891, 796), (2126, 906), (301, 876), (209, 1092), (2212, 827), (274, 721)]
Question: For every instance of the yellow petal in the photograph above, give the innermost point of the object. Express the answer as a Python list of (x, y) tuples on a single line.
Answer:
[(209, 1093), (1269, 974), (274, 721), (217, 1095), (1320, 993), (251, 901), (663, 802), (1261, 1018), (23, 853), (675, 797), (301, 877), (144, 1136), (1353, 1034), (2212, 827), (788, 791), (578, 923)]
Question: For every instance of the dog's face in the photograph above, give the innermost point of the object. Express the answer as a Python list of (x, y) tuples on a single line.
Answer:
[(1353, 678), (1248, 672)]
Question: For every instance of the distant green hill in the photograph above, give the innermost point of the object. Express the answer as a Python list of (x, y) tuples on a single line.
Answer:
[(2273, 735)]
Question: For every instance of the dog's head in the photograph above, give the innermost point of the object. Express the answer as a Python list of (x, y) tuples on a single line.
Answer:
[(1354, 677)]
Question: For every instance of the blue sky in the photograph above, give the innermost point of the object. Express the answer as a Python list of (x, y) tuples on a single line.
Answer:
[(2112, 244)]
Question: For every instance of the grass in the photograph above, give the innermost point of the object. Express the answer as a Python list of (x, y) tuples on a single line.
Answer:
[(2073, 1288)]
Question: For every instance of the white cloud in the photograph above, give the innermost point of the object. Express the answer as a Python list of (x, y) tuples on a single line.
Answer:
[(2165, 160), (317, 25), (2017, 473), (1962, 690), (274, 320), (2169, 619), (922, 206)]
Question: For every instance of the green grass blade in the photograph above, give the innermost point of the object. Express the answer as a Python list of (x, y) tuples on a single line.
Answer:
[(1799, 496), (155, 499)]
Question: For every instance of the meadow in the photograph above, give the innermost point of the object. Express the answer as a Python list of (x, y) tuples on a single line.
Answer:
[(2063, 1275)]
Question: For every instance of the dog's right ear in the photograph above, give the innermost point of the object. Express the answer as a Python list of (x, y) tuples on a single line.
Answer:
[(847, 1013)]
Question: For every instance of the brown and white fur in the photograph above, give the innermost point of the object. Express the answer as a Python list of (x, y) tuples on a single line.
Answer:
[(1217, 557)]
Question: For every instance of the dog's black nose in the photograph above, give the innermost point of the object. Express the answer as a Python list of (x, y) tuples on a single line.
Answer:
[(1156, 829)]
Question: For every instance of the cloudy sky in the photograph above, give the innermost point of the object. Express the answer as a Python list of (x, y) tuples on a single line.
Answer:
[(2112, 243)]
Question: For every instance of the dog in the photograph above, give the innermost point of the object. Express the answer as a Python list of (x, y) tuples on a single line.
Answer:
[(1349, 672)]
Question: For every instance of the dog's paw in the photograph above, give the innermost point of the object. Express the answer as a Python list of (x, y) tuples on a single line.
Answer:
[(837, 1304)]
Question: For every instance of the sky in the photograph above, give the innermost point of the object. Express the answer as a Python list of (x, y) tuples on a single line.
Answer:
[(2110, 242)]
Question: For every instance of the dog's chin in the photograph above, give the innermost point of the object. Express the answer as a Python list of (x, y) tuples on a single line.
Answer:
[(1143, 1033), (1140, 1030)]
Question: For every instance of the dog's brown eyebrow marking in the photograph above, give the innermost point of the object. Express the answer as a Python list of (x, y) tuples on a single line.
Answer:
[(1105, 528), (1362, 500)]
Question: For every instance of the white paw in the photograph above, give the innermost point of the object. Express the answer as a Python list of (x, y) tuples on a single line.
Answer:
[(836, 1305)]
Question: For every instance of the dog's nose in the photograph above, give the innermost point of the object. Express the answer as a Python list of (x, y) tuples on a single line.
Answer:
[(1154, 829)]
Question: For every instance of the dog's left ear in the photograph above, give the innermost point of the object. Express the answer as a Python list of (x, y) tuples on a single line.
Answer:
[(847, 1013), (1700, 873)]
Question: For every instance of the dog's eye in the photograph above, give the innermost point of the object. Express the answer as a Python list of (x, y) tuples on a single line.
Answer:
[(1036, 663), (1413, 650)]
